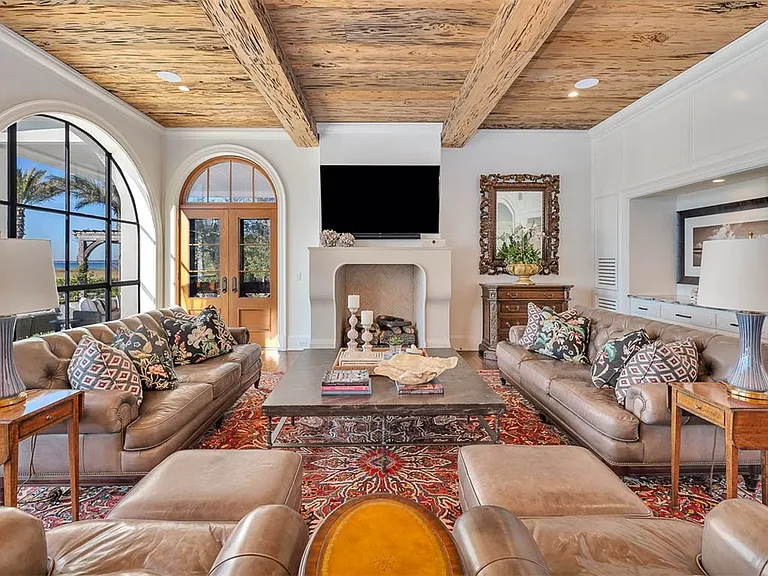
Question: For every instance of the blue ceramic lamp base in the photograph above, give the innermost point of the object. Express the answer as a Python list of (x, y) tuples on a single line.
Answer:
[(748, 379), (12, 389)]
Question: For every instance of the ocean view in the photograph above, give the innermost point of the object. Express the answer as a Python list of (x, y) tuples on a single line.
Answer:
[(92, 264)]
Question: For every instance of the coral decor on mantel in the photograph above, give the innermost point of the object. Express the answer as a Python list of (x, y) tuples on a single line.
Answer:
[(426, 474)]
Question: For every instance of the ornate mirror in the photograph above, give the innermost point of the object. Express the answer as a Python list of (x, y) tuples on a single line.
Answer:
[(510, 200)]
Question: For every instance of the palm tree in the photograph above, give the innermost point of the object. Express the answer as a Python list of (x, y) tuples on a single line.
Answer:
[(88, 192), (33, 186)]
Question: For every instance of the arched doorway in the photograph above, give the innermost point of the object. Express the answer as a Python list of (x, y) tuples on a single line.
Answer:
[(228, 245)]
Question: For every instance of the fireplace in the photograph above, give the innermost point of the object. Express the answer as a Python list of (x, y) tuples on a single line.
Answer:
[(412, 283)]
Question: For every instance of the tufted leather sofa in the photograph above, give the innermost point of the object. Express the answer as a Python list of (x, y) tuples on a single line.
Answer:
[(119, 440), (635, 437)]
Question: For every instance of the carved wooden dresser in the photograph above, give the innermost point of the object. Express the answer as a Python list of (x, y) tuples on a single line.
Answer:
[(506, 305)]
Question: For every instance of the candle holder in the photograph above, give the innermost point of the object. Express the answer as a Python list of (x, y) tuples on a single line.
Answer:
[(352, 334), (367, 337)]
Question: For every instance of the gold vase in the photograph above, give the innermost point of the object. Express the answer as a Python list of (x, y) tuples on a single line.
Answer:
[(523, 272)]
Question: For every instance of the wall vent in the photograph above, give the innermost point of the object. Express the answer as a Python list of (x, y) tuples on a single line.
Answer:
[(607, 303), (607, 276)]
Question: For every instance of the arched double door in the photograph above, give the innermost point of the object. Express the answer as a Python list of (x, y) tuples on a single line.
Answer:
[(228, 245)]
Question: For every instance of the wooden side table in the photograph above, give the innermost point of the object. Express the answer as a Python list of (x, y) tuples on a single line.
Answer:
[(43, 409), (745, 424)]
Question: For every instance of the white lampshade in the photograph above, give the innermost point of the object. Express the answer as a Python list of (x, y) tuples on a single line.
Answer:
[(734, 275), (27, 276)]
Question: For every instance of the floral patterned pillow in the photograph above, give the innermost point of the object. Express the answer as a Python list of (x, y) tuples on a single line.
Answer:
[(211, 314), (151, 355), (196, 340), (614, 355), (535, 318), (562, 339)]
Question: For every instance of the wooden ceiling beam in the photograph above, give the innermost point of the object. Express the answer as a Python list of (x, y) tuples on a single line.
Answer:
[(246, 28), (517, 32)]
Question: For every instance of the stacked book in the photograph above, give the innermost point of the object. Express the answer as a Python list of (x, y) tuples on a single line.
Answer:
[(344, 382), (426, 388)]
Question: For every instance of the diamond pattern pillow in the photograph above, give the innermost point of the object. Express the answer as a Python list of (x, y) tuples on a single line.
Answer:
[(614, 355), (151, 355), (563, 339), (659, 362), (535, 318), (96, 366), (194, 339)]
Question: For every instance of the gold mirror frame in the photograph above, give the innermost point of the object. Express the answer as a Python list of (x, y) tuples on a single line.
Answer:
[(549, 186)]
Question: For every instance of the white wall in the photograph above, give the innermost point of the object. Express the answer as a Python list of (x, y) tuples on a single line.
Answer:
[(709, 122), (33, 82), (507, 152)]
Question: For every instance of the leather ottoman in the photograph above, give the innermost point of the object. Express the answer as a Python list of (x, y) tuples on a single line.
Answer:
[(535, 481), (214, 486)]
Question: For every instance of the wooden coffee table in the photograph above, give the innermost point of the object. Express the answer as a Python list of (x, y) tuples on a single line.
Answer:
[(381, 534), (298, 394)]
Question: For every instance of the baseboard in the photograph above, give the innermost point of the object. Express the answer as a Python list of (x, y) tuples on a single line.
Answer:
[(465, 342), (298, 342)]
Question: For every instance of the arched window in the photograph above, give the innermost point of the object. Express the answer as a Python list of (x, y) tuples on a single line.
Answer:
[(58, 183), (226, 180)]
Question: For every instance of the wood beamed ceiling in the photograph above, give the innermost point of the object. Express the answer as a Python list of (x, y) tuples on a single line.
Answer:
[(374, 60)]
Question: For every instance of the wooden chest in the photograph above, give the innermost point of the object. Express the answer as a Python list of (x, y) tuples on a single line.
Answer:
[(506, 305)]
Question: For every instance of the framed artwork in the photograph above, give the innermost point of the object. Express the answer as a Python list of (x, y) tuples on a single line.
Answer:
[(720, 222)]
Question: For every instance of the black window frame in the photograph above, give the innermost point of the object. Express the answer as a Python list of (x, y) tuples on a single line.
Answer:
[(109, 219)]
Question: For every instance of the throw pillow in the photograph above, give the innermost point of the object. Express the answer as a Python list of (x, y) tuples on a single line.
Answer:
[(151, 355), (563, 339), (535, 318), (96, 366), (614, 355), (659, 362), (196, 340), (212, 315)]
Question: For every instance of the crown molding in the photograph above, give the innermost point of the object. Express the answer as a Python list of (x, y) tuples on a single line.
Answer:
[(227, 133), (20, 44), (732, 56)]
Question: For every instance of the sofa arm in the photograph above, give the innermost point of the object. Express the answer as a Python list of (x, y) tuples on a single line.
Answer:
[(241, 334), (22, 541), (494, 542), (649, 402), (104, 412), (515, 333), (269, 540), (734, 541)]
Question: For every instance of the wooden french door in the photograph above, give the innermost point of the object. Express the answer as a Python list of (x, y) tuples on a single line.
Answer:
[(228, 258)]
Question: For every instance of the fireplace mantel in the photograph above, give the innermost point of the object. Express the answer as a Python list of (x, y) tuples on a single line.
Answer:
[(434, 263)]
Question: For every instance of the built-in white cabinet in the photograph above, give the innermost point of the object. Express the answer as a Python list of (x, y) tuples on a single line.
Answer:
[(719, 321), (606, 243)]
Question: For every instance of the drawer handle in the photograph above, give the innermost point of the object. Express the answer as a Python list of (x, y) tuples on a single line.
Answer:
[(549, 295), (697, 406), (512, 307), (48, 418), (734, 325), (683, 316), (642, 308), (514, 295)]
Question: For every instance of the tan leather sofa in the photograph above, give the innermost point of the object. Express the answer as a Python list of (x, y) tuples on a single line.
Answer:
[(218, 512), (634, 439), (732, 542), (120, 441)]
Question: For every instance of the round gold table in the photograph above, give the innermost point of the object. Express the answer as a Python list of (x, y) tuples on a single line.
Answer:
[(382, 535)]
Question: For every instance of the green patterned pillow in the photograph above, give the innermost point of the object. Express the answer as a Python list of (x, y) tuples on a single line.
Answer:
[(196, 339), (562, 339), (151, 355)]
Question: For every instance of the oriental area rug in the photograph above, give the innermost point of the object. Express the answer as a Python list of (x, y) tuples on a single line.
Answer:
[(426, 474)]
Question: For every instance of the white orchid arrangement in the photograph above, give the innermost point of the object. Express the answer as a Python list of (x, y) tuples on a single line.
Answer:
[(518, 247)]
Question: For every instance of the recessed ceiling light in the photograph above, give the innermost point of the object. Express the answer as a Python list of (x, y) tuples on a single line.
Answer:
[(718, 180), (573, 94), (169, 76), (184, 88), (587, 83)]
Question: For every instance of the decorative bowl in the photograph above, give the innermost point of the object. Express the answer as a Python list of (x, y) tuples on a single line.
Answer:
[(412, 369)]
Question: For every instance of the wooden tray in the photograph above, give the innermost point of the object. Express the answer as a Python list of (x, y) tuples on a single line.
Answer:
[(338, 365)]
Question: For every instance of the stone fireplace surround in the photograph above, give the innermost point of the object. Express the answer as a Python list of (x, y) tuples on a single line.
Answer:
[(424, 273)]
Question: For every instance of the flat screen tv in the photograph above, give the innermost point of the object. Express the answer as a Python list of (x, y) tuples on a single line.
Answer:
[(380, 201)]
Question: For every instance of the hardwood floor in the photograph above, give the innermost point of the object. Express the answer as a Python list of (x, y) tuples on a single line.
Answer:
[(273, 361)]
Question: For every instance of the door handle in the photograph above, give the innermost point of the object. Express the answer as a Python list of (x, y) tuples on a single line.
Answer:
[(223, 284), (234, 284)]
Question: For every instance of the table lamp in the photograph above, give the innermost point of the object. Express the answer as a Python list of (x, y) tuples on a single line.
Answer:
[(734, 276), (27, 284)]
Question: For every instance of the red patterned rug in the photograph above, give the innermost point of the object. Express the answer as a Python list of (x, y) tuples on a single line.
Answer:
[(426, 474)]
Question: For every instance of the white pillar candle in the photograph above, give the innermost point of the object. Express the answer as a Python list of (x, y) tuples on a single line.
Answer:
[(366, 317), (353, 301)]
